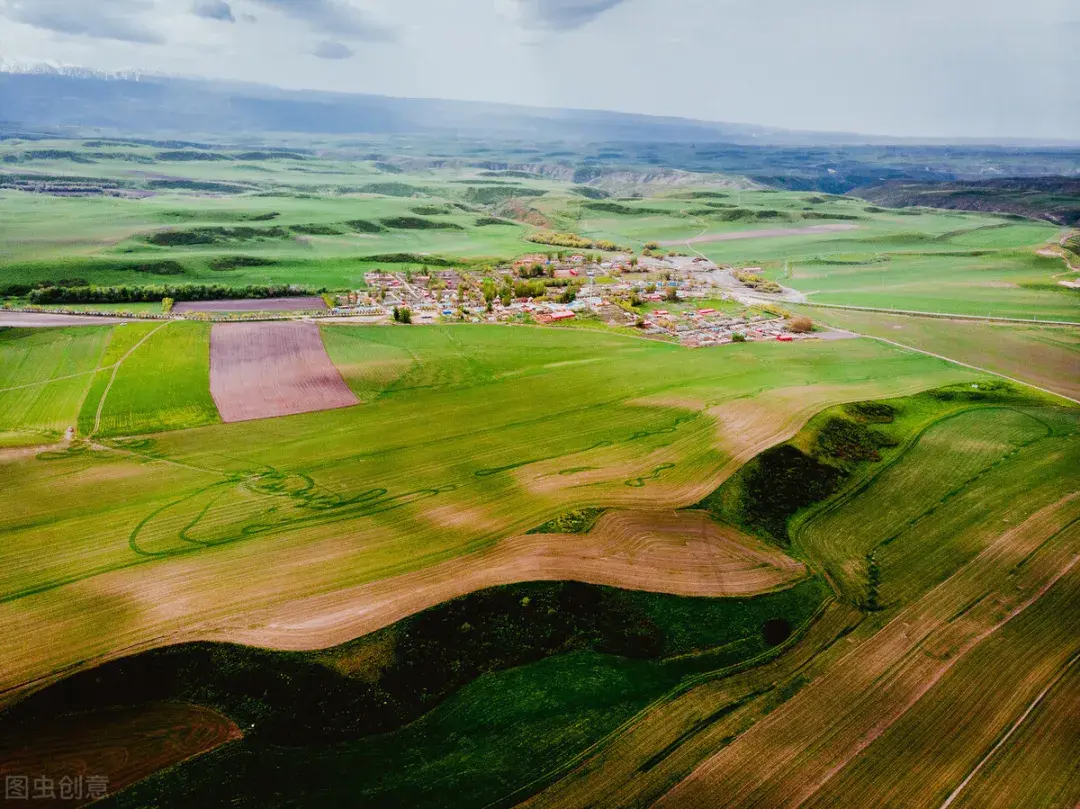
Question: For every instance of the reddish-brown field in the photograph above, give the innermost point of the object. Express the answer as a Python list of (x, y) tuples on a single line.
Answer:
[(120, 746), (263, 370), (306, 304)]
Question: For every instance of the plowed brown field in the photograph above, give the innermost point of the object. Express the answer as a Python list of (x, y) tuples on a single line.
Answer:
[(683, 553), (263, 370), (120, 746)]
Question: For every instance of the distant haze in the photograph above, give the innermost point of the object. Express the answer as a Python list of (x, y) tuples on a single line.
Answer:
[(992, 69)]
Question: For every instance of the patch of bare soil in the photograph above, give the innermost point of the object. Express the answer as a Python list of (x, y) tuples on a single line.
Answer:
[(299, 304), (264, 370), (83, 756), (683, 553), (41, 320)]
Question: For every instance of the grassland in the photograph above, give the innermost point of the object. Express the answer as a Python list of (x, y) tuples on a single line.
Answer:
[(318, 221), (592, 658), (938, 506), (44, 376), (1044, 356), (489, 433)]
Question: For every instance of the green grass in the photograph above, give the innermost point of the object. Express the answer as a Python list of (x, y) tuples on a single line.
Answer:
[(502, 731), (1046, 356), (163, 385), (44, 376), (968, 263), (893, 522)]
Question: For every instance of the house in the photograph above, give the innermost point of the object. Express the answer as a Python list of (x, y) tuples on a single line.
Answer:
[(704, 312), (784, 338)]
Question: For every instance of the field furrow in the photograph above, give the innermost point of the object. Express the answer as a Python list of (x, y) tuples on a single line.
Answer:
[(787, 758)]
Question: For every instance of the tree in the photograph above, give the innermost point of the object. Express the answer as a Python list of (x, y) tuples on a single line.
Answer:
[(800, 324), (652, 245), (672, 294), (738, 337)]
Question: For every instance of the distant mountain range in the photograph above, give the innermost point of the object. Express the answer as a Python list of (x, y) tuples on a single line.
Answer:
[(131, 102)]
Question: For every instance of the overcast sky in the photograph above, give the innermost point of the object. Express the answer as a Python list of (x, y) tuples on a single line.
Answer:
[(949, 68)]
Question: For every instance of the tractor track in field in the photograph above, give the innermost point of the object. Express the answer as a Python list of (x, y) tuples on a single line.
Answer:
[(112, 379), (1008, 735)]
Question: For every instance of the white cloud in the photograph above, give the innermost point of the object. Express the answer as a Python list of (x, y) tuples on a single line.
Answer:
[(99, 19)]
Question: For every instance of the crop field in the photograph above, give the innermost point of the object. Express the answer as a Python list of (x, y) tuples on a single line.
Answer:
[(1045, 356), (44, 376), (441, 473), (262, 370), (162, 382), (324, 222), (458, 565)]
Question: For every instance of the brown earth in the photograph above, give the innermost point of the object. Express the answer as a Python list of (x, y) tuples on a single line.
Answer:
[(121, 746), (263, 370), (768, 233), (308, 304), (682, 553), (41, 320)]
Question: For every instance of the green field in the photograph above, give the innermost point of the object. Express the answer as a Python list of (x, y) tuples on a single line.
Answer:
[(44, 376), (303, 575), (318, 221), (1045, 356)]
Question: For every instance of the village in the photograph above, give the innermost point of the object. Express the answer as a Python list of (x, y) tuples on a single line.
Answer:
[(672, 297)]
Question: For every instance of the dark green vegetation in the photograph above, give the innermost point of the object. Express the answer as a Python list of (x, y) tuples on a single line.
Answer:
[(578, 521), (418, 223), (1056, 199), (182, 292), (545, 668), (845, 443)]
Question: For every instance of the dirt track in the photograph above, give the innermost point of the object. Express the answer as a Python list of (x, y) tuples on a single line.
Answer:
[(309, 304), (263, 370), (683, 553), (41, 320), (768, 233)]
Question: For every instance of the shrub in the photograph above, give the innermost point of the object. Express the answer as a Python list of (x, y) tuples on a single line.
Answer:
[(225, 263), (849, 441), (153, 294), (800, 324), (738, 337), (417, 223), (781, 481), (872, 412), (364, 226), (167, 305)]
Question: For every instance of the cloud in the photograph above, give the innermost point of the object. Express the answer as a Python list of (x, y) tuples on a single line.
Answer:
[(100, 19), (334, 17), (560, 15), (214, 10), (333, 50)]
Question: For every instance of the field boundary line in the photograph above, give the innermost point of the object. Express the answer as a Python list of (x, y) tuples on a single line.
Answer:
[(112, 379), (958, 362), (942, 315), (1015, 727), (55, 379)]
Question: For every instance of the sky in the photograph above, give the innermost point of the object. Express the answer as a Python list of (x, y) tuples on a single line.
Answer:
[(922, 68)]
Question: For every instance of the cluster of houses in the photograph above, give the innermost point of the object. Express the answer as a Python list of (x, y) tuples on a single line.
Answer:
[(616, 290)]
